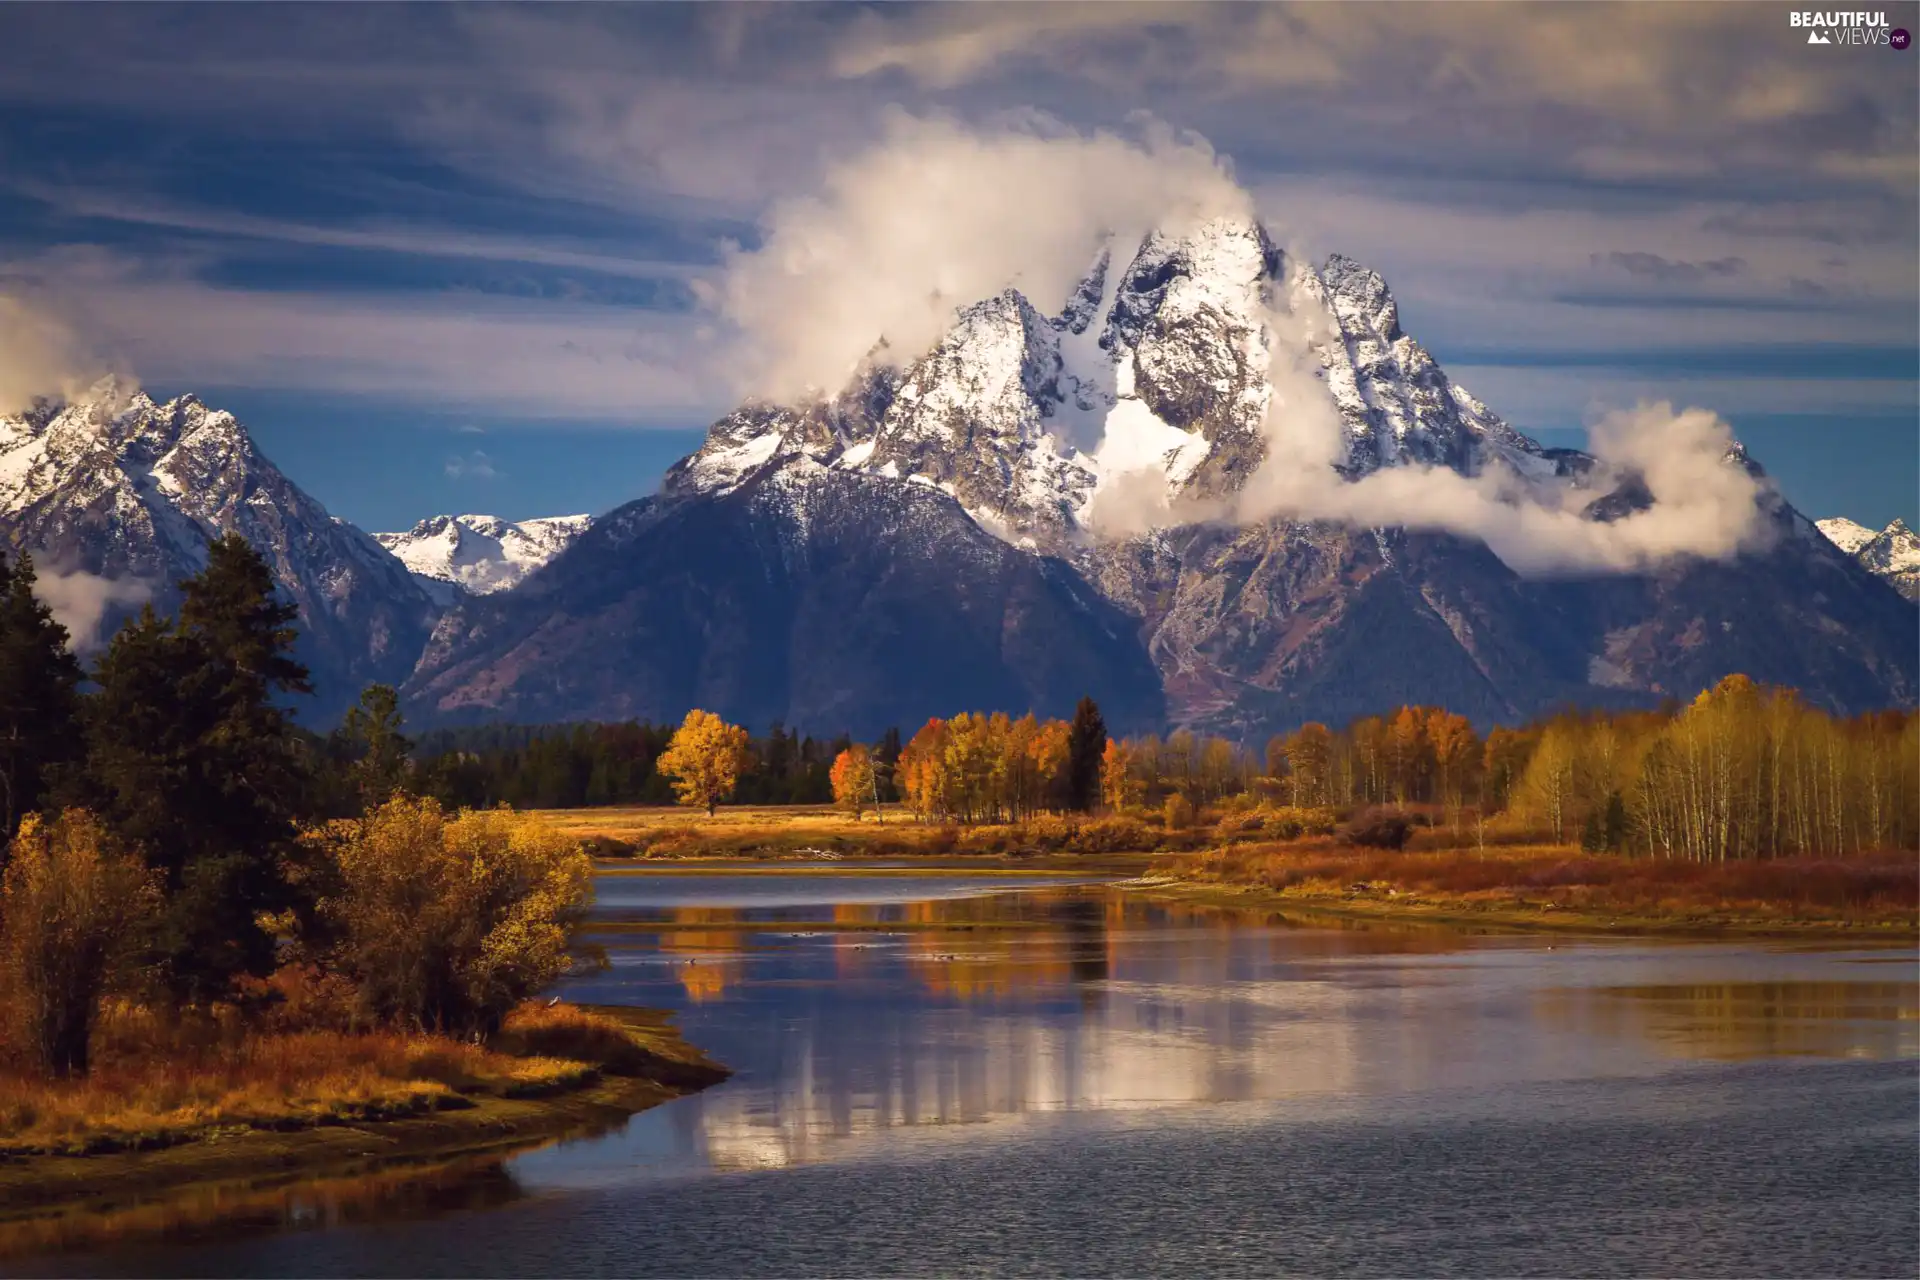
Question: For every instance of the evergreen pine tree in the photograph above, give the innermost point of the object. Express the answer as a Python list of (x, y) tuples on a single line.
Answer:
[(191, 758), (1616, 823), (1086, 742), (379, 749), (39, 711)]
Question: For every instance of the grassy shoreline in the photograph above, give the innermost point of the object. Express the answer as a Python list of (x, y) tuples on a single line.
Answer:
[(47, 1185), (1514, 917)]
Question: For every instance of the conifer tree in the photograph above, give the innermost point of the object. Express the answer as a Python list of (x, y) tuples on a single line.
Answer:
[(1086, 743), (39, 714), (193, 760), (372, 731)]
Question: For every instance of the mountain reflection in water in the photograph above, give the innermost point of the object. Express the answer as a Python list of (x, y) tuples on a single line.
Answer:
[(891, 1026)]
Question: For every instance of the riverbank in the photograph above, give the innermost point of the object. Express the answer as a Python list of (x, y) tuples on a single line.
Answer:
[(1556, 890), (644, 1063)]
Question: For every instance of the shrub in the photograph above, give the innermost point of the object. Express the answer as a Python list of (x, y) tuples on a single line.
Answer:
[(1290, 822), (604, 846), (1178, 814), (1050, 832), (445, 923), (1380, 828), (71, 906), (1113, 835)]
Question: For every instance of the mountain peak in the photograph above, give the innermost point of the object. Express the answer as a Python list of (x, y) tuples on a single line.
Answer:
[(1892, 554), (480, 554), (117, 486), (1846, 534)]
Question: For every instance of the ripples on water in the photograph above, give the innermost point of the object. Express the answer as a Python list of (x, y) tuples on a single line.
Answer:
[(1000, 1075)]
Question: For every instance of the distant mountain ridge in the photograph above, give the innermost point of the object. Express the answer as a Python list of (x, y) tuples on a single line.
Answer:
[(1892, 554), (480, 554)]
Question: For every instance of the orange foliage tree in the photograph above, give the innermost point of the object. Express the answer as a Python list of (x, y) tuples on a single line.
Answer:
[(853, 781)]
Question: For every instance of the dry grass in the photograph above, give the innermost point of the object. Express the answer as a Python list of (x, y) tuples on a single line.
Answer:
[(153, 1086), (813, 831), (1878, 888)]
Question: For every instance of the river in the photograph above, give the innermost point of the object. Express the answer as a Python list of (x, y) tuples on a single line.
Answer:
[(1012, 1075)]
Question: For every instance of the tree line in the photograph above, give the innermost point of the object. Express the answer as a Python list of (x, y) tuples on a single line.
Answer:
[(571, 766), (1742, 771)]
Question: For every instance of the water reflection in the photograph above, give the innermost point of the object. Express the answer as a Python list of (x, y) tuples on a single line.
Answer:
[(228, 1210), (854, 1023), (1731, 1021), (888, 1020)]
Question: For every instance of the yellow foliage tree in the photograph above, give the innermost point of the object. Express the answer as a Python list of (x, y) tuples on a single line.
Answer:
[(445, 922), (922, 770), (71, 906), (704, 759), (1118, 785), (852, 779), (1309, 753)]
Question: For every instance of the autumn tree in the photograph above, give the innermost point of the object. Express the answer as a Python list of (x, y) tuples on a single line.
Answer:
[(1118, 785), (39, 710), (1309, 756), (73, 904), (973, 761), (1408, 753), (1369, 738), (445, 922), (1455, 750), (853, 781), (1086, 742), (921, 771), (1545, 791), (1180, 761), (1503, 760), (1051, 749), (1219, 768), (704, 759)]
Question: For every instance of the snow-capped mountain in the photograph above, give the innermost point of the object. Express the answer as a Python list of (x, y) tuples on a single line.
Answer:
[(1027, 428), (133, 492), (480, 554), (1892, 554), (1152, 375)]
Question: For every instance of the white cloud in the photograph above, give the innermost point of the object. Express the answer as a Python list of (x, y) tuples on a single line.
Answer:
[(476, 465), (937, 216), (80, 601), (40, 355)]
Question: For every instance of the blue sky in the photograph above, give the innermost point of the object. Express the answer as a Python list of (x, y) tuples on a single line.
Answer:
[(449, 258)]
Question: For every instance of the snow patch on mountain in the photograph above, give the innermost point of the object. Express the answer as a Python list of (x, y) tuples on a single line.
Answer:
[(481, 554), (1148, 389), (1846, 534), (117, 486), (1892, 554)]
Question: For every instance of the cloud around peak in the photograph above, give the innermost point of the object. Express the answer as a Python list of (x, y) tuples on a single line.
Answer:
[(938, 215)]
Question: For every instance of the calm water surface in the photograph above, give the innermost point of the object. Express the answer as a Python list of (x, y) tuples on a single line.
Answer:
[(1029, 1075)]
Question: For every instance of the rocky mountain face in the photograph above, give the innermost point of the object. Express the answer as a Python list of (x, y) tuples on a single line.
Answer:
[(454, 556), (1892, 554), (797, 593), (949, 533), (132, 492)]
